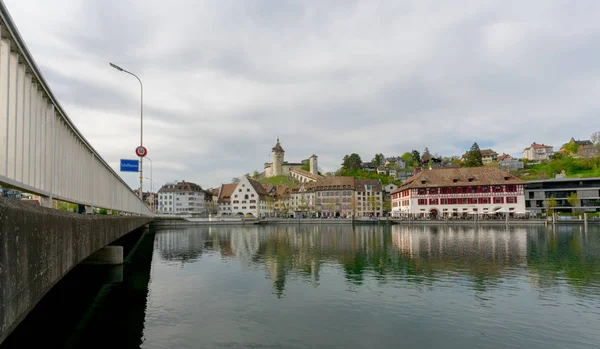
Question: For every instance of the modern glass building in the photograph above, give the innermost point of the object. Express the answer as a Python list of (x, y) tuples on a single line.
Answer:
[(537, 194)]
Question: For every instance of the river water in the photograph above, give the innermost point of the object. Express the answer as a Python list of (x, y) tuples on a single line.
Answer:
[(337, 286)]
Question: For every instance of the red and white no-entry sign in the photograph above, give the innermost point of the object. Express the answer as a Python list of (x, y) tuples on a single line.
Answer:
[(141, 151)]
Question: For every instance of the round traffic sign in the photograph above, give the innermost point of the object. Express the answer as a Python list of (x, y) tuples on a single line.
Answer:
[(141, 151)]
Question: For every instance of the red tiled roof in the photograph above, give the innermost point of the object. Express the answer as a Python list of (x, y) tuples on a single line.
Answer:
[(226, 192), (458, 177), (504, 156), (538, 146)]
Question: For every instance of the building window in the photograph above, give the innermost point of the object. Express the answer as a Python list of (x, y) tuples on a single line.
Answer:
[(422, 201), (483, 201), (252, 207), (433, 201), (240, 190), (498, 200), (511, 188), (511, 200)]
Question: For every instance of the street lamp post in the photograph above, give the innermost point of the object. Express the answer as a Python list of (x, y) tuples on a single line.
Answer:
[(141, 119)]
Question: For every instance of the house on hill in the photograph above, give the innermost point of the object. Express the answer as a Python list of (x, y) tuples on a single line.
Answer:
[(538, 152), (585, 148), (487, 156)]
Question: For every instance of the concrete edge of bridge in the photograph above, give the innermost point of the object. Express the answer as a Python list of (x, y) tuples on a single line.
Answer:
[(39, 245)]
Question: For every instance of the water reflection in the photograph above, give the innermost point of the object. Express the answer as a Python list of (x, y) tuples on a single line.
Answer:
[(483, 257)]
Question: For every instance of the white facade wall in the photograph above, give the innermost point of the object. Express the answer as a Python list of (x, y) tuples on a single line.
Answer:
[(538, 154), (182, 203), (369, 202), (224, 208), (246, 201), (302, 201), (165, 203)]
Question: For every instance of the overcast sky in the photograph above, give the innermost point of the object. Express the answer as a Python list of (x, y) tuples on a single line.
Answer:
[(224, 78)]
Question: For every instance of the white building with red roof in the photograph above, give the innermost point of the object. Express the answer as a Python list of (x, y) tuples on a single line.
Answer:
[(538, 152), (459, 191)]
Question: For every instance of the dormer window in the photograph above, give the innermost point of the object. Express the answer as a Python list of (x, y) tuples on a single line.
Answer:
[(471, 179), (454, 180), (506, 178), (423, 181)]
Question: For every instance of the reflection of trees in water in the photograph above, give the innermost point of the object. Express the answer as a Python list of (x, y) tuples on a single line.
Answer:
[(416, 254), (565, 253)]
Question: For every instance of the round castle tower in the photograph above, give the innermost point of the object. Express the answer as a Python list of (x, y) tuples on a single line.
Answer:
[(313, 165), (277, 154)]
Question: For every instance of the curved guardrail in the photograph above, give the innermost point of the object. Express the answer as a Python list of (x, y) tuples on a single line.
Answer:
[(41, 150)]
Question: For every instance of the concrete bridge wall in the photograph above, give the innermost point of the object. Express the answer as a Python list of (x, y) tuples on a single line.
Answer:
[(39, 245)]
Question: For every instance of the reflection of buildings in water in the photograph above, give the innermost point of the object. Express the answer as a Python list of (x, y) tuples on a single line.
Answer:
[(184, 245), (494, 244), (245, 243)]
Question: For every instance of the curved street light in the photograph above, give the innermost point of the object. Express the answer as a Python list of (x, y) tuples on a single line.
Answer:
[(141, 118)]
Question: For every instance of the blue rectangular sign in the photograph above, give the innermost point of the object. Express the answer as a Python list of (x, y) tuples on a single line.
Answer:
[(130, 165)]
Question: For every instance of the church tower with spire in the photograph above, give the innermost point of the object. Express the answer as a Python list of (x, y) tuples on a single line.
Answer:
[(277, 155)]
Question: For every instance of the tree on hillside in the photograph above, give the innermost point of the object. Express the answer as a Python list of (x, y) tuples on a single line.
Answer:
[(416, 157), (378, 160), (474, 156), (408, 158), (352, 162), (573, 200), (571, 148)]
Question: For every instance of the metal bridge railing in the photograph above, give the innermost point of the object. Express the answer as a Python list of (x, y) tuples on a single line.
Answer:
[(41, 150)]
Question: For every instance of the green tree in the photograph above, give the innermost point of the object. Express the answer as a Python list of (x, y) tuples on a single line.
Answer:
[(379, 160), (235, 180), (352, 162), (571, 148), (270, 201), (387, 203), (551, 204), (255, 174), (408, 158), (573, 200), (474, 156), (66, 206), (416, 157)]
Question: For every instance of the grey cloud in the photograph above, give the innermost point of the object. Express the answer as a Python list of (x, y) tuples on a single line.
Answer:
[(225, 78)]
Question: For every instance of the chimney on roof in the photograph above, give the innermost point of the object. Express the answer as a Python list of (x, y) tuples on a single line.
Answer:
[(417, 170)]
